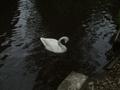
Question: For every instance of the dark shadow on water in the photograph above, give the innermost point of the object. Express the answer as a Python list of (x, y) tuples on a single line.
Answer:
[(7, 11)]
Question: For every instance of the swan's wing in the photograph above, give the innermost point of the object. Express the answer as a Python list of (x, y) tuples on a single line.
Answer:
[(44, 41), (54, 46), (49, 42)]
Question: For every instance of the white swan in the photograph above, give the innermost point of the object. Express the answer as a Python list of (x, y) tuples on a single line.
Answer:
[(54, 45)]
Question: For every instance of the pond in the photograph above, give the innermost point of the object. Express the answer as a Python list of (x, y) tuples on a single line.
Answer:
[(24, 62)]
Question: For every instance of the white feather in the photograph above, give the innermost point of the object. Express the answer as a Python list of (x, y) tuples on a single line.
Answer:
[(54, 45)]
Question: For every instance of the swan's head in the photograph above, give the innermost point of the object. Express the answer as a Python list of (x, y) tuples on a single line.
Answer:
[(64, 38)]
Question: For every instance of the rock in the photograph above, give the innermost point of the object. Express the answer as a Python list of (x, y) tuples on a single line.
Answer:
[(73, 81)]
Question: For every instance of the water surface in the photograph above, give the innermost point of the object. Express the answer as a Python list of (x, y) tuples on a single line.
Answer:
[(26, 65)]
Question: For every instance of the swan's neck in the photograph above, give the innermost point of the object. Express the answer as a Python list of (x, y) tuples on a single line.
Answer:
[(66, 39)]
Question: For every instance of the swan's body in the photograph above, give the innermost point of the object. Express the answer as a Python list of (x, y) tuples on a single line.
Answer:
[(54, 45)]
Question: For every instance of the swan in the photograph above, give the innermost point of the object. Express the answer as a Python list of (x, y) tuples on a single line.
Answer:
[(54, 45)]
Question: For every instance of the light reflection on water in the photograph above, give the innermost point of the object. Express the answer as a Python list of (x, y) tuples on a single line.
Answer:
[(26, 64), (12, 73), (99, 28)]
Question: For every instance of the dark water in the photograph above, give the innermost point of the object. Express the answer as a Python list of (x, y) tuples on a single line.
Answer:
[(26, 65)]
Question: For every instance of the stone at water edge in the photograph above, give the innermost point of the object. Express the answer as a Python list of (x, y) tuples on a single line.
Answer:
[(73, 81)]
